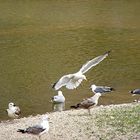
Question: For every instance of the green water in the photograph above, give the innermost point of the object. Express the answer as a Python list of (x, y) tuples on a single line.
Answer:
[(42, 40)]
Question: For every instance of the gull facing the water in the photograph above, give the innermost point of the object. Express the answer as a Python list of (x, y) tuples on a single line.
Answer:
[(72, 81), (88, 103), (13, 111), (58, 98), (101, 89), (39, 129)]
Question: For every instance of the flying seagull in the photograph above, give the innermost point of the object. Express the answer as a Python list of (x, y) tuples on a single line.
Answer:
[(72, 81), (101, 89), (135, 92), (88, 103), (13, 111), (38, 130), (58, 98)]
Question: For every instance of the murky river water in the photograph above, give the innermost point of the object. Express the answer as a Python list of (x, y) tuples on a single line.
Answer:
[(42, 40)]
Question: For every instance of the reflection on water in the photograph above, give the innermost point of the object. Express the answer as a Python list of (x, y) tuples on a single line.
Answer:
[(40, 41), (58, 107)]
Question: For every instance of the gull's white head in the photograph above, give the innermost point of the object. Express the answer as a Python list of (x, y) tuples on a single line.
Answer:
[(95, 98), (60, 93), (93, 87), (45, 123), (11, 105), (98, 94)]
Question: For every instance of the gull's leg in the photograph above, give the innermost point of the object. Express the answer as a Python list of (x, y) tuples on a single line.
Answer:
[(39, 137), (138, 99), (89, 111)]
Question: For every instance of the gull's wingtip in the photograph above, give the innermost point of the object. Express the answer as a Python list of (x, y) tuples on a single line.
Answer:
[(53, 85), (112, 89), (21, 130), (74, 106)]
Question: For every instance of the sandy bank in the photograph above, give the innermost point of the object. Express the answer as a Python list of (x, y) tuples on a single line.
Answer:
[(106, 122)]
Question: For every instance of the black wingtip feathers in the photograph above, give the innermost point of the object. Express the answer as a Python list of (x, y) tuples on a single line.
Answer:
[(53, 86)]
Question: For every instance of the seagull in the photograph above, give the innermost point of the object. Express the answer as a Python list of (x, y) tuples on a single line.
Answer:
[(58, 98), (72, 81), (101, 89), (13, 111), (88, 103), (39, 129), (135, 92)]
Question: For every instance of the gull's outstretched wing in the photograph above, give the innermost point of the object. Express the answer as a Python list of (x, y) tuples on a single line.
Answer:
[(93, 62), (62, 81)]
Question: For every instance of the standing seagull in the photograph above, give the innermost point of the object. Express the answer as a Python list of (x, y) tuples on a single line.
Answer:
[(72, 81), (13, 111), (39, 130), (58, 98), (101, 89), (88, 103), (135, 92)]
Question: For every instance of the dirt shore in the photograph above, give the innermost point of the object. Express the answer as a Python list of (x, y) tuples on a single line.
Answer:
[(117, 122)]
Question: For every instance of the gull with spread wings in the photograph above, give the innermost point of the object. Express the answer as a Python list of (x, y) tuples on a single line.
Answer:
[(72, 81)]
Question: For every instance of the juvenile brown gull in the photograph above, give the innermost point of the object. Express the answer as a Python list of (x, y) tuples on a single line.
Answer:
[(88, 103)]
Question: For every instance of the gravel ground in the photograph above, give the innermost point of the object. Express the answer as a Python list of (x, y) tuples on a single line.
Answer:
[(105, 123)]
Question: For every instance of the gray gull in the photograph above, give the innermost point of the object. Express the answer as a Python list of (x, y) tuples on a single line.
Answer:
[(101, 89), (135, 92), (38, 130)]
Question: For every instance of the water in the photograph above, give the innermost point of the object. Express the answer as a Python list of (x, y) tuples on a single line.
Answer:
[(42, 40)]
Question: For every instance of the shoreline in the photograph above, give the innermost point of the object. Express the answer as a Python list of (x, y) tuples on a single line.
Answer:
[(78, 125)]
